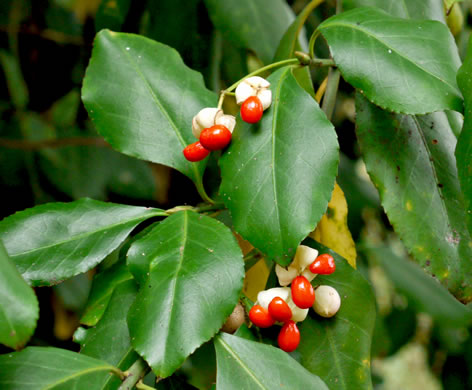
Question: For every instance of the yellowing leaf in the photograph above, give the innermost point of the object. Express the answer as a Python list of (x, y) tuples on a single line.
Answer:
[(256, 279), (332, 231)]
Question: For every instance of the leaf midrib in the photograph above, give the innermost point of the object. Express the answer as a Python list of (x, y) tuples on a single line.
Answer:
[(78, 374), (83, 235), (241, 363), (179, 267), (274, 127), (366, 32), (161, 108)]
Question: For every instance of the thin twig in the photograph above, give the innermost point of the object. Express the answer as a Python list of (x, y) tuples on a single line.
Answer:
[(52, 143)]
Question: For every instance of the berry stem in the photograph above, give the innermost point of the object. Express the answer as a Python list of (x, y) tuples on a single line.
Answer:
[(202, 192), (291, 61)]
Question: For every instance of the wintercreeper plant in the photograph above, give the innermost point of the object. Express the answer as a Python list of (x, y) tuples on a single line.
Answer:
[(211, 286)]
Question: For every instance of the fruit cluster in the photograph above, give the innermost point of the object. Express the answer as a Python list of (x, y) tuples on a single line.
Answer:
[(289, 305), (214, 129)]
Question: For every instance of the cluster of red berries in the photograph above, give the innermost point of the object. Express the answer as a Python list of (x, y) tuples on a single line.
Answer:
[(213, 128), (290, 305)]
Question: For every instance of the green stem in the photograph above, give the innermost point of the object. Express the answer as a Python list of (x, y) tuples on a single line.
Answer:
[(202, 192), (134, 374), (329, 100), (291, 61), (118, 373), (311, 44), (141, 386), (197, 209)]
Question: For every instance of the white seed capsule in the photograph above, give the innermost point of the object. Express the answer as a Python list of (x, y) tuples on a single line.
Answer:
[(254, 86), (304, 257), (229, 121), (298, 314), (266, 296), (327, 301), (265, 96), (309, 275), (285, 275), (205, 118)]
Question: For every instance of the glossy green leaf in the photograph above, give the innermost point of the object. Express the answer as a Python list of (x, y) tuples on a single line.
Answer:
[(405, 66), (109, 339), (194, 277), (256, 25), (103, 286), (407, 9), (55, 241), (278, 174), (423, 291), (245, 364), (153, 119), (19, 309), (41, 368), (464, 143), (411, 161), (111, 14), (337, 349)]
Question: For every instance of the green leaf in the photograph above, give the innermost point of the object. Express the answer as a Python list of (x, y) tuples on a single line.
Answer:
[(38, 368), (103, 286), (111, 14), (15, 82), (405, 66), (109, 339), (290, 42), (338, 348), (411, 161), (19, 309), (256, 25), (245, 364), (464, 143), (406, 9), (278, 174), (74, 292), (93, 171), (424, 292), (194, 277), (153, 119), (55, 241), (64, 110)]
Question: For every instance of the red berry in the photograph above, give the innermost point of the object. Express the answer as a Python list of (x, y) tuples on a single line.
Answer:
[(195, 152), (215, 137), (289, 337), (324, 265), (251, 110), (260, 317), (280, 310), (303, 293)]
